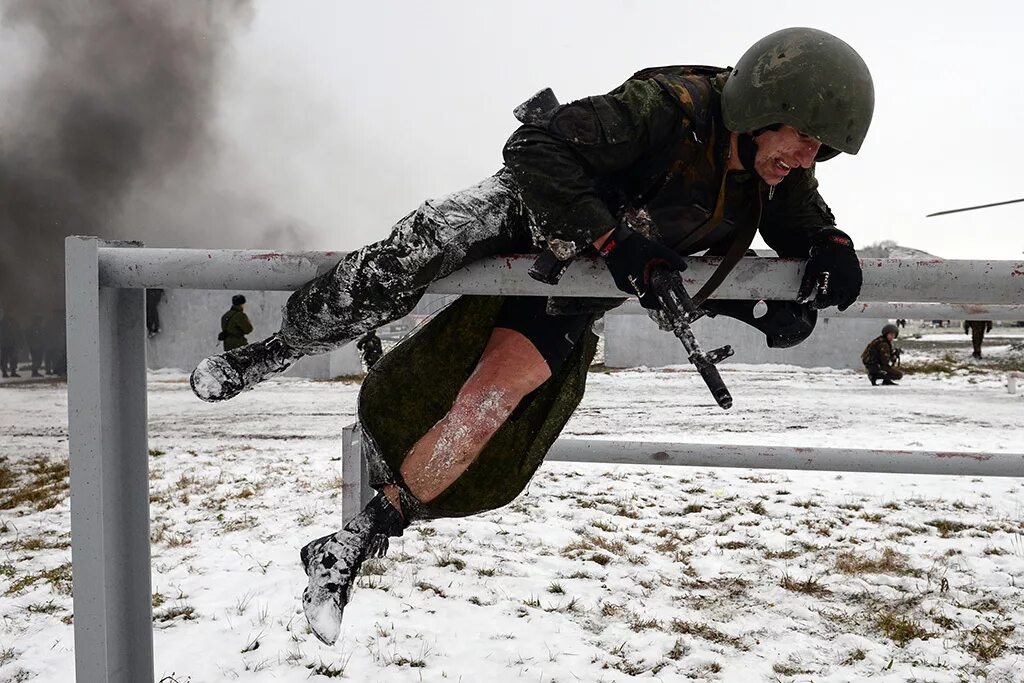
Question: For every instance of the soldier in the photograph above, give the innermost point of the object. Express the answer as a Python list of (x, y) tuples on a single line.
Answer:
[(10, 343), (235, 324), (881, 358), (977, 330), (675, 161), (35, 338)]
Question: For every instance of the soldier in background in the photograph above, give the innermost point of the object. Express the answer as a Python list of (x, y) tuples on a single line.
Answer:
[(235, 324), (977, 330), (10, 340), (881, 358), (56, 356), (35, 338)]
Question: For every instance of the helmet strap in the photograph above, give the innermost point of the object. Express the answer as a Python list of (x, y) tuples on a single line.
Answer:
[(746, 150)]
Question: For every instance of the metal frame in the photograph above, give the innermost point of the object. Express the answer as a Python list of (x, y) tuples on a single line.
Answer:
[(107, 399)]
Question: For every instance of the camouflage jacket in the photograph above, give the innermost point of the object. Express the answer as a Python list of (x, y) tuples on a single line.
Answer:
[(234, 325), (656, 146), (878, 352)]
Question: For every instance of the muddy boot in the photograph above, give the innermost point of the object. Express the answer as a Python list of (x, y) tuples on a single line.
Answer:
[(332, 562), (228, 374)]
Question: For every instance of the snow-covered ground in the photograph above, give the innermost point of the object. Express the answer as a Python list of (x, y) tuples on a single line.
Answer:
[(596, 573)]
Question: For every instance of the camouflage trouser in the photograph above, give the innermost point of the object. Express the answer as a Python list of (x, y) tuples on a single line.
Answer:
[(383, 281), (877, 371)]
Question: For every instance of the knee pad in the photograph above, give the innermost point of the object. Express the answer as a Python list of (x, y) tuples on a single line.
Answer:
[(785, 324)]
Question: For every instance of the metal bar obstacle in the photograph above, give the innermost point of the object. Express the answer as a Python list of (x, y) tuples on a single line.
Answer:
[(107, 398)]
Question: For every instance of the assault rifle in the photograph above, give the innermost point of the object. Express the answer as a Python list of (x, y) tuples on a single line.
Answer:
[(677, 312), (677, 309)]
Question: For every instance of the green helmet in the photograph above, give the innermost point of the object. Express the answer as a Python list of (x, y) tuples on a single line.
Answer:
[(886, 329), (808, 79)]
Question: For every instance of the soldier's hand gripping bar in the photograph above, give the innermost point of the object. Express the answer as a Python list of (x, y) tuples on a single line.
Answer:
[(678, 311)]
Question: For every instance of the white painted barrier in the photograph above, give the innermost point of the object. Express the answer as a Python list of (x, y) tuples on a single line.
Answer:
[(107, 399)]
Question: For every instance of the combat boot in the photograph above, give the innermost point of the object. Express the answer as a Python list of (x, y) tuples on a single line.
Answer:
[(889, 383), (332, 562), (228, 374)]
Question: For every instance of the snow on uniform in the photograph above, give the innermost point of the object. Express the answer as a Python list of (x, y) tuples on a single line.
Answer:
[(653, 151)]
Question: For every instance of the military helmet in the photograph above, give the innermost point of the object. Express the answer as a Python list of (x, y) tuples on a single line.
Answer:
[(808, 79), (886, 329)]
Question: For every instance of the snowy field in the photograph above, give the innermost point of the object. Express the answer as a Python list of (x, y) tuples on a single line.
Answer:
[(596, 573)]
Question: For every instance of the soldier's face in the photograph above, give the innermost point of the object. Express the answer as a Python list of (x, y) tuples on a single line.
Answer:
[(780, 151)]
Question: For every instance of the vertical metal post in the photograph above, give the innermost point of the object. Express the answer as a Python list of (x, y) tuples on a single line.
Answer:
[(355, 479), (110, 556)]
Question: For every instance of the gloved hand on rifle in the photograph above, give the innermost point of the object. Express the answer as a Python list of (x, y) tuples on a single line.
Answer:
[(833, 276), (632, 258)]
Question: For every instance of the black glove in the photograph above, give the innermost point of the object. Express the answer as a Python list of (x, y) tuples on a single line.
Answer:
[(833, 276), (632, 258)]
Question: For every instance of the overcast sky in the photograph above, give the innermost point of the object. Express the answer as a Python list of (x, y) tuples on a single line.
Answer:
[(343, 116)]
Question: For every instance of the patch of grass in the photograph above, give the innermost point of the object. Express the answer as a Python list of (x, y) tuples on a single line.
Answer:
[(787, 554), (805, 504), (579, 574), (733, 545), (156, 452), (703, 630), (790, 668), (180, 611), (7, 654), (373, 567), (556, 588), (889, 562), (246, 521), (59, 579), (48, 607), (604, 526), (33, 543), (811, 585), (638, 623), (947, 527), (678, 651), (758, 508), (425, 587), (856, 655), (43, 484), (449, 560), (486, 571), (987, 643), (900, 629), (332, 670)]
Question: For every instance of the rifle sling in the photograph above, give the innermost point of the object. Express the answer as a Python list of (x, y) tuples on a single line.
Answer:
[(741, 242)]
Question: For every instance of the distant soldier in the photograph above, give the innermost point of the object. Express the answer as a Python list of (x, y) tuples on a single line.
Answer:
[(234, 324), (10, 340), (881, 358), (35, 338), (977, 330), (56, 348)]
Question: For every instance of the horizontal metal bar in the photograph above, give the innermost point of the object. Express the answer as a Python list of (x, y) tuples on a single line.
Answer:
[(893, 310), (890, 280), (788, 457)]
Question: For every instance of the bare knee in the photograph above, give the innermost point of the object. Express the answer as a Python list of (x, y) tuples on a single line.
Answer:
[(512, 363)]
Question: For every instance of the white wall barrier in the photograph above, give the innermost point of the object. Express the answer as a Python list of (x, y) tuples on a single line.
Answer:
[(107, 398)]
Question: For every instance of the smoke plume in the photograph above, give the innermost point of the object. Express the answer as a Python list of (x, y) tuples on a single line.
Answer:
[(121, 96)]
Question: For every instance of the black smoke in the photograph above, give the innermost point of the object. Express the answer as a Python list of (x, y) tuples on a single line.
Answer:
[(122, 95)]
